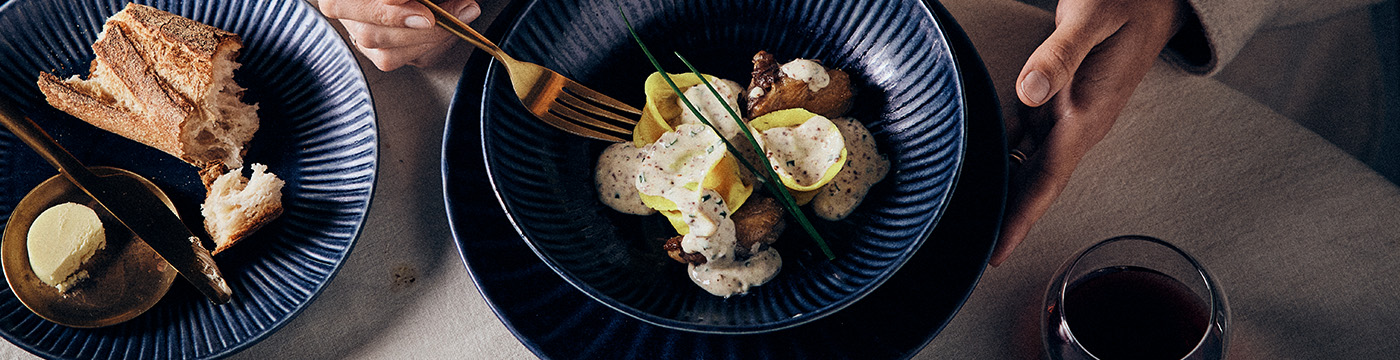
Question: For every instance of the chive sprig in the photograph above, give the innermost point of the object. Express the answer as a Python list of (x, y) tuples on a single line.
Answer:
[(774, 185)]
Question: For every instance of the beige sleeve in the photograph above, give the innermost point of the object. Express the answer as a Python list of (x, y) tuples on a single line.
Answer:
[(1215, 30)]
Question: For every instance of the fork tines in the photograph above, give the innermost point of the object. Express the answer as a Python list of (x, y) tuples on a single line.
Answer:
[(586, 112)]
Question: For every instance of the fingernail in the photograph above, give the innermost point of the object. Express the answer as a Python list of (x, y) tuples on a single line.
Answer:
[(469, 13), (1036, 87), (417, 22)]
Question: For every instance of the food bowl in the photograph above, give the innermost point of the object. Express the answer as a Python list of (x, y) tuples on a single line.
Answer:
[(909, 95)]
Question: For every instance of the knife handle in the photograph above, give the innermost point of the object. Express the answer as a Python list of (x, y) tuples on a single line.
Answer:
[(30, 133)]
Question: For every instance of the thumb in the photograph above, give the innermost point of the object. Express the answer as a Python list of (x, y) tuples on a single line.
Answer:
[(1053, 64)]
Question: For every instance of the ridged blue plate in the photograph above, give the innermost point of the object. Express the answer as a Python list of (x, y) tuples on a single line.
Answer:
[(554, 319), (318, 133), (909, 94)]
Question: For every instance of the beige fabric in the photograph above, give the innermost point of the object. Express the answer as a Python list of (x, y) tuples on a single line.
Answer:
[(1315, 62), (1323, 74), (1229, 24)]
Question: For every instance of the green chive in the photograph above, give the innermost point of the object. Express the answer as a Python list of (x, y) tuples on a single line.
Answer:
[(775, 186)]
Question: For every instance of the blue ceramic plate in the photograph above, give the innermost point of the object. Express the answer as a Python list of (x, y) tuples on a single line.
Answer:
[(910, 96), (556, 320), (318, 133)]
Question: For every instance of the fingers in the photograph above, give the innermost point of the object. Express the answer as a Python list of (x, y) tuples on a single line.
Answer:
[(1084, 75), (1055, 62), (1034, 187), (392, 59), (369, 36), (390, 13), (1065, 131), (391, 47)]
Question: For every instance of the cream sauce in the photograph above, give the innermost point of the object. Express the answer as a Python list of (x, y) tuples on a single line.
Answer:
[(736, 277), (804, 152), (712, 107), (807, 71), (678, 160), (864, 167), (711, 230), (672, 167), (755, 93), (616, 179)]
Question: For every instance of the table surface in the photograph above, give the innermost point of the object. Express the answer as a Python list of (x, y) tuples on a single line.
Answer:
[(1302, 237)]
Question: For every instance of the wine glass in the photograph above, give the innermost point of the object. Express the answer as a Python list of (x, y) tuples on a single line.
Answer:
[(1134, 297)]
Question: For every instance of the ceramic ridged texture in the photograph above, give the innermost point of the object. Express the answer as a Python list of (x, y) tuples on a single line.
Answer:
[(318, 133), (909, 97)]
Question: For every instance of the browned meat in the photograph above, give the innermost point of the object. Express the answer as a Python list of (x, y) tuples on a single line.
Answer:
[(765, 71), (760, 220), (779, 93), (673, 249)]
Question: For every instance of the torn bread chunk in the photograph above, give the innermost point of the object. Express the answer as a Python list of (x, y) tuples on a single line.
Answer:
[(165, 81), (236, 206)]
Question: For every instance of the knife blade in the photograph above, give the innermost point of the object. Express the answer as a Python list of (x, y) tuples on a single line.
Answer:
[(128, 201)]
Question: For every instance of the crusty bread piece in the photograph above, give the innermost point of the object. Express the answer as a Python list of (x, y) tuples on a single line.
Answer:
[(167, 82), (237, 206)]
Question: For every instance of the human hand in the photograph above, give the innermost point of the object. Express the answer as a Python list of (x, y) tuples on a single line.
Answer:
[(394, 33), (1076, 83)]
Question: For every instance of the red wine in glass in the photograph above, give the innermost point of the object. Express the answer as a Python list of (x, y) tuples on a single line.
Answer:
[(1134, 297), (1129, 312)]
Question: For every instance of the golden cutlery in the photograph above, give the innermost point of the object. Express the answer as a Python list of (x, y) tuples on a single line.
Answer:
[(559, 101)]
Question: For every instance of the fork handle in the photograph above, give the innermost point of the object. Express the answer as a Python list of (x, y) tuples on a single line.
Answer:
[(457, 27)]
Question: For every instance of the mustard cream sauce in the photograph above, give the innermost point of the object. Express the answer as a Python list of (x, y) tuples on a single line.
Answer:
[(807, 71), (803, 152), (711, 230), (712, 235), (864, 167), (736, 277), (712, 107), (673, 167), (678, 159), (616, 179)]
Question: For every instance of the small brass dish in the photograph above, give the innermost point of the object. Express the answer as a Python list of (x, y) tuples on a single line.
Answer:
[(124, 279)]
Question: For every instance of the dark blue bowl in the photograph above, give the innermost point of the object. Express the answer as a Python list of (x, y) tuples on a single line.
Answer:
[(910, 96), (318, 133)]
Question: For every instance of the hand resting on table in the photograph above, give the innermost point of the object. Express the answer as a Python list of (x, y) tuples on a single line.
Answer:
[(1075, 85)]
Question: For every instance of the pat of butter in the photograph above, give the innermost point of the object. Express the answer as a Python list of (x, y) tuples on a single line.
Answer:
[(61, 239)]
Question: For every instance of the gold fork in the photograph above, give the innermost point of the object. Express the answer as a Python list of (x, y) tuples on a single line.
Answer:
[(559, 101)]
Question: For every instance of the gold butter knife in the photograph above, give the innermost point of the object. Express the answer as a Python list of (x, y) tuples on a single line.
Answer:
[(132, 204)]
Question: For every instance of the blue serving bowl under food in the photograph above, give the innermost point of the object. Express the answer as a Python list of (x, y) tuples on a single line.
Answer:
[(910, 95)]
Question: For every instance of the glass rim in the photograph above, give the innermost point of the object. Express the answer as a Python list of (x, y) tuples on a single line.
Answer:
[(1213, 291)]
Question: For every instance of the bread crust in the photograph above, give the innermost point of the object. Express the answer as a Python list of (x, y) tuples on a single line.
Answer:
[(103, 114), (162, 65), (256, 222), (194, 35), (183, 50), (231, 215)]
